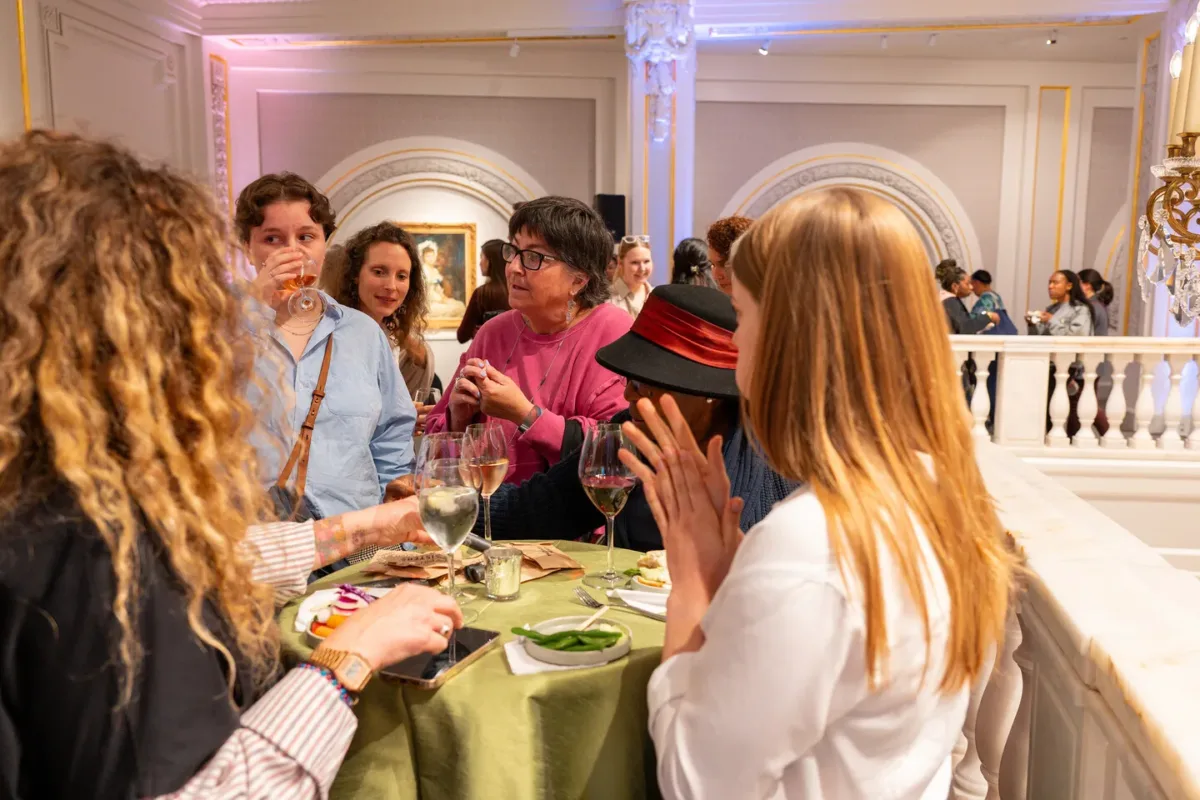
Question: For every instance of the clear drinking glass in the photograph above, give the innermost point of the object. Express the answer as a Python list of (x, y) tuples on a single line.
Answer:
[(488, 457), (304, 298), (448, 505), (608, 483)]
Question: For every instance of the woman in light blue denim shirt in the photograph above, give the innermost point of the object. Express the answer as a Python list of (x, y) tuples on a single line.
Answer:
[(362, 438)]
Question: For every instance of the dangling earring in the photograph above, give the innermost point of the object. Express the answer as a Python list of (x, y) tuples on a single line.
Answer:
[(709, 401), (402, 307), (570, 310)]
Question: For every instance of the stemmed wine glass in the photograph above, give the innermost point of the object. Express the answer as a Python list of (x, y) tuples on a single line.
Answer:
[(488, 461), (608, 483), (304, 298), (447, 501)]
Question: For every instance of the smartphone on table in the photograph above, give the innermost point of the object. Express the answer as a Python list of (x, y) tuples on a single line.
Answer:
[(431, 671)]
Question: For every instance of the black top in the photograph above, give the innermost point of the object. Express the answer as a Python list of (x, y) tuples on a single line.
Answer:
[(59, 734), (554, 505), (961, 320)]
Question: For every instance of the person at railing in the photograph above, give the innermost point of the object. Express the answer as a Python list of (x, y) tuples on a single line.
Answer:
[(990, 300), (1069, 312), (832, 650), (954, 287), (1099, 293)]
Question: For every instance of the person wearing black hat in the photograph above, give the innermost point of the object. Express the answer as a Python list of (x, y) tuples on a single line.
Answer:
[(681, 344)]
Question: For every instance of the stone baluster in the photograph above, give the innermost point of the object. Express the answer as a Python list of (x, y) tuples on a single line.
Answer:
[(1193, 439), (1115, 409), (1143, 412), (1060, 403), (969, 783), (1172, 436), (998, 707), (1088, 436), (980, 401), (1013, 782)]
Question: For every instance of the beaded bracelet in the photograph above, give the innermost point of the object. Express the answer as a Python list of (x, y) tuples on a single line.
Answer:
[(333, 679)]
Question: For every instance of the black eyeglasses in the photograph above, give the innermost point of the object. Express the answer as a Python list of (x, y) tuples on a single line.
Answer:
[(531, 260)]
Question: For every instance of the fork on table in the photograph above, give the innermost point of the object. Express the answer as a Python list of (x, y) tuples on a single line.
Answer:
[(616, 603)]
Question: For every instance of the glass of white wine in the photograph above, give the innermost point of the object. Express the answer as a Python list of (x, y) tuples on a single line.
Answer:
[(488, 459), (304, 298), (447, 501), (608, 483)]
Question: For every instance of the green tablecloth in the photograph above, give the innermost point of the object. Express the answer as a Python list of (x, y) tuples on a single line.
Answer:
[(491, 735)]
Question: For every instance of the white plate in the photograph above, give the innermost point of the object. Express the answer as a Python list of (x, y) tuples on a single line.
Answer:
[(650, 602), (590, 658), (637, 584)]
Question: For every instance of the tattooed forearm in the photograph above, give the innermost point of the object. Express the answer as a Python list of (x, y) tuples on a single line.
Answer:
[(334, 541)]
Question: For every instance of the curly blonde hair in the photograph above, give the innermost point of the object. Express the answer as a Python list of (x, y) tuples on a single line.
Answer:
[(125, 358)]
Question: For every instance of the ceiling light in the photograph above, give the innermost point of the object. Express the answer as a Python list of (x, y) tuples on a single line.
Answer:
[(932, 39), (883, 42), (515, 50), (764, 48)]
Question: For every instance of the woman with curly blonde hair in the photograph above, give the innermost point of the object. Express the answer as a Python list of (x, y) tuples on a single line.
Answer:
[(856, 616), (138, 647)]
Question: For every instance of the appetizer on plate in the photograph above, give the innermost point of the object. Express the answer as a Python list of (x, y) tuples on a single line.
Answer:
[(328, 619), (652, 571)]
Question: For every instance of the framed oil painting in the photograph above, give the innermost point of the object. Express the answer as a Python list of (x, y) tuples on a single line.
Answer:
[(448, 261)]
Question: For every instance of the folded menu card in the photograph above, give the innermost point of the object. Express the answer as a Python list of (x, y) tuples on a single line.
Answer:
[(540, 559)]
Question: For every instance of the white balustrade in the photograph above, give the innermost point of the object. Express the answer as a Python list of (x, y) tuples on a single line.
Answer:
[(1022, 402)]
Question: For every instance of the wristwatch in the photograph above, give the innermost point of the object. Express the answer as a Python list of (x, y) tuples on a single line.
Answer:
[(351, 669), (530, 418)]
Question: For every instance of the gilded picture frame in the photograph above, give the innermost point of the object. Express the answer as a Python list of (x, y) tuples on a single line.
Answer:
[(448, 256)]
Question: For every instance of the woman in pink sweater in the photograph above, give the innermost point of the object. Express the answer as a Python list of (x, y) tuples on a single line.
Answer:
[(533, 369)]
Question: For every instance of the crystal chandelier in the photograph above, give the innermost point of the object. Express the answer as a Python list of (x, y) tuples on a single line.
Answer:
[(1170, 228)]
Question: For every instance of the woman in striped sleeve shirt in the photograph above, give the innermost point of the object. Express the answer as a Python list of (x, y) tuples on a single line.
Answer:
[(138, 645)]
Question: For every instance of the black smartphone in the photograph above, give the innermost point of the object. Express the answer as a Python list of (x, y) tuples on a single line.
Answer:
[(431, 671)]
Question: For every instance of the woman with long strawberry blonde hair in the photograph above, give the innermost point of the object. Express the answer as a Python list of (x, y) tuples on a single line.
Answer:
[(830, 652)]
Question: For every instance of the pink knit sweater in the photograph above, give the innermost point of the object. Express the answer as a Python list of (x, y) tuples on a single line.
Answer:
[(557, 372)]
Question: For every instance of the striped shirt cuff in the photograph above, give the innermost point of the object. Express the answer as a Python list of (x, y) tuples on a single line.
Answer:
[(284, 556), (305, 717)]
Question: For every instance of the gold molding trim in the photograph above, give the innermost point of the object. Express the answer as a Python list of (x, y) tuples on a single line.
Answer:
[(1062, 182), (492, 167), (1112, 251), (26, 106), (1112, 22), (1135, 208), (228, 129), (328, 43)]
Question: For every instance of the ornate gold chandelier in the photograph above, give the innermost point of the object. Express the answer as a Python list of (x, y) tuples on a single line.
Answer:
[(1170, 228)]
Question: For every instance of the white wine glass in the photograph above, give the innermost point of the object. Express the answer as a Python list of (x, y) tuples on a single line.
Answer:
[(304, 298), (608, 483), (447, 503), (488, 459)]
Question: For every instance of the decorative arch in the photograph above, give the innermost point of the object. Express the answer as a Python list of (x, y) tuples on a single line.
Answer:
[(929, 203), (401, 164)]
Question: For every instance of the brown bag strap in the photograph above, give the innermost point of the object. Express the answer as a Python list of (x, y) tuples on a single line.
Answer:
[(304, 440)]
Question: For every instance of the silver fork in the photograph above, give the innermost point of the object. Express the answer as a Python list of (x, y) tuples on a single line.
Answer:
[(616, 603)]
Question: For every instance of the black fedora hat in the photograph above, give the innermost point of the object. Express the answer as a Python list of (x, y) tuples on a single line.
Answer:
[(682, 341)]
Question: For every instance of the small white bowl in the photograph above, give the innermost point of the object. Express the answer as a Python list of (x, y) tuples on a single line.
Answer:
[(637, 584), (586, 659)]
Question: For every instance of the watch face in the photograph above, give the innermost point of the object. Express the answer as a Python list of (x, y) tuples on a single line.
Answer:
[(355, 671)]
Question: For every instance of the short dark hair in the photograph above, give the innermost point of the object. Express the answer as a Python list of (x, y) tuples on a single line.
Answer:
[(690, 264), (983, 276), (280, 187), (576, 234)]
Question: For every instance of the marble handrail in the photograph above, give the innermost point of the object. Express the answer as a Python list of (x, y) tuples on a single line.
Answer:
[(1100, 697)]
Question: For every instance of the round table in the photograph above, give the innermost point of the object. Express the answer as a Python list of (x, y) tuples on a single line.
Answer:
[(489, 734)]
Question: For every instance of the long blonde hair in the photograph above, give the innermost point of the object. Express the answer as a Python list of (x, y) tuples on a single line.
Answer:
[(853, 388), (124, 358)]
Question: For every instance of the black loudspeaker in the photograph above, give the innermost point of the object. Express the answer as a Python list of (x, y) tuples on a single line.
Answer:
[(612, 208)]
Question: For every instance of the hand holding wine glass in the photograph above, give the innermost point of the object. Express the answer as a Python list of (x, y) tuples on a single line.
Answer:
[(608, 482), (488, 457), (304, 298)]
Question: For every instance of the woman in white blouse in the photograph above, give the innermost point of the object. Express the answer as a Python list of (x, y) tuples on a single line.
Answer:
[(830, 652)]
